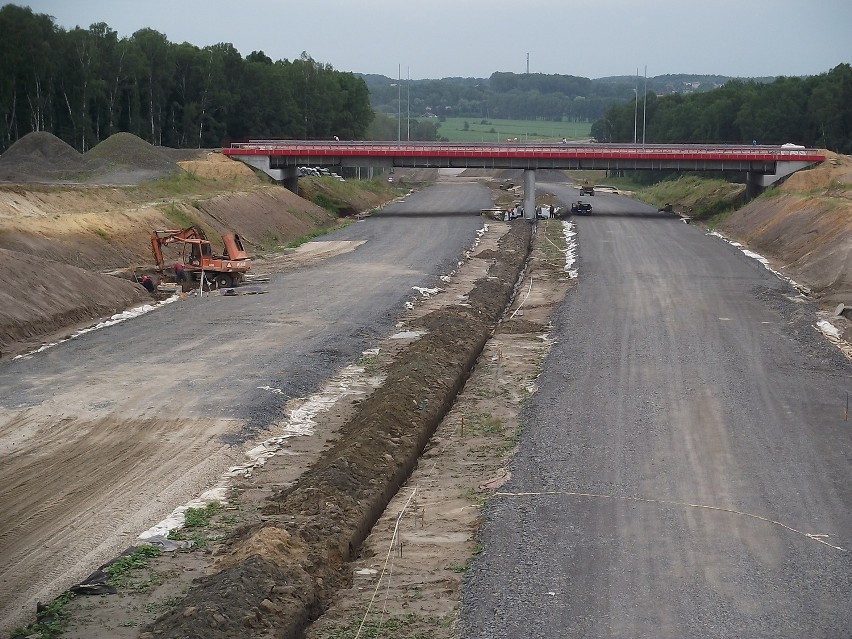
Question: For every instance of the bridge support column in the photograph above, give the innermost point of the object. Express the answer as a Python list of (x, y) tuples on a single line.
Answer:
[(756, 182), (290, 179), (754, 185), (529, 195), (287, 176)]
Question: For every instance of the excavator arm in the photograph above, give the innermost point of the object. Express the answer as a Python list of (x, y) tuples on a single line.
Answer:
[(165, 237)]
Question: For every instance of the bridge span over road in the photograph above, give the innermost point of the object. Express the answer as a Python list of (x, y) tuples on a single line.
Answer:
[(763, 164)]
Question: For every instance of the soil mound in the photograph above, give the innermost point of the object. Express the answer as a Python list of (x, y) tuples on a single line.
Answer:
[(835, 171), (124, 151), (215, 166), (122, 158), (39, 156), (56, 295)]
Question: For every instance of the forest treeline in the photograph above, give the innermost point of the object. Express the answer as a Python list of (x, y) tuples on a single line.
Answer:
[(83, 85), (815, 111), (512, 96)]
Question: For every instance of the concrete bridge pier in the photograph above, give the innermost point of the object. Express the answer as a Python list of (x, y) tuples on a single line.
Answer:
[(529, 195), (757, 182), (287, 176)]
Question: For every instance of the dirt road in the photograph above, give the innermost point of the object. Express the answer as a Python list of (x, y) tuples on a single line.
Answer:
[(104, 435), (684, 467)]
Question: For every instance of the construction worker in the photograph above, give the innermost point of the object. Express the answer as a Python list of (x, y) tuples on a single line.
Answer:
[(148, 283)]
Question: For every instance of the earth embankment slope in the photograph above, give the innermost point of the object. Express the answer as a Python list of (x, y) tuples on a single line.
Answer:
[(48, 220), (39, 297), (805, 227)]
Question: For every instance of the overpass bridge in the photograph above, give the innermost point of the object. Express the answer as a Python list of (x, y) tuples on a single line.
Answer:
[(763, 164)]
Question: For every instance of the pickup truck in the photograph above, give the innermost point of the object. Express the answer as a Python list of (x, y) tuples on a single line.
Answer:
[(581, 208)]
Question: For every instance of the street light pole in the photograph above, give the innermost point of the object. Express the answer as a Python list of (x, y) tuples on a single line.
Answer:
[(408, 106), (635, 105), (399, 103), (644, 106)]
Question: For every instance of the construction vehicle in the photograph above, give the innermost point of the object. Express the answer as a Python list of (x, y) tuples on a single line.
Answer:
[(198, 259), (587, 188)]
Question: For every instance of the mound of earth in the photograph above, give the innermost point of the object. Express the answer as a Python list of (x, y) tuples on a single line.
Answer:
[(835, 172), (37, 157), (124, 158), (216, 166), (805, 228), (55, 295)]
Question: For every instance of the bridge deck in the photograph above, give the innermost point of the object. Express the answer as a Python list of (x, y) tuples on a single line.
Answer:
[(688, 152), (756, 159)]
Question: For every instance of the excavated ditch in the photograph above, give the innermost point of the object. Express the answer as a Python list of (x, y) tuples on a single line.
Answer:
[(275, 577)]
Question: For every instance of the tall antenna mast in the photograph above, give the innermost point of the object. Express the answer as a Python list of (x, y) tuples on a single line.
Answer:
[(528, 63)]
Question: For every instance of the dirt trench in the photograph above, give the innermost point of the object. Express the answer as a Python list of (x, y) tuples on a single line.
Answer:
[(276, 576)]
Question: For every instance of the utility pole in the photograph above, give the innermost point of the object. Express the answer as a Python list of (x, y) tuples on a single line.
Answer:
[(528, 62)]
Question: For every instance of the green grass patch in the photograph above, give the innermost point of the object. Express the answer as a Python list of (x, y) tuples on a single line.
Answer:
[(50, 621), (330, 204), (158, 607), (125, 571), (102, 234), (477, 497), (178, 183), (198, 517), (708, 200), (370, 362), (460, 568), (410, 626), (181, 219), (497, 130), (487, 424)]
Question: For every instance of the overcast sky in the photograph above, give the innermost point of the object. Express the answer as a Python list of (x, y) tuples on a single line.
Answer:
[(474, 38)]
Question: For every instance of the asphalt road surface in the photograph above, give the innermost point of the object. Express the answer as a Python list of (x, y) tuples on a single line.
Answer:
[(103, 436), (684, 454)]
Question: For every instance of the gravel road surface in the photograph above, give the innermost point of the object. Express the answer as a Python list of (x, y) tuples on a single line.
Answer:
[(684, 452), (102, 436)]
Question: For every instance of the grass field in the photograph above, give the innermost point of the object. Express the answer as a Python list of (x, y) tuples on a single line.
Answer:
[(499, 130)]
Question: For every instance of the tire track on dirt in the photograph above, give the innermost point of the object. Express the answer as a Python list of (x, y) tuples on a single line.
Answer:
[(74, 482)]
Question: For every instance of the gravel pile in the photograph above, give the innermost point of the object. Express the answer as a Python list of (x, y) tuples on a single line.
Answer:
[(122, 158), (39, 157), (125, 149)]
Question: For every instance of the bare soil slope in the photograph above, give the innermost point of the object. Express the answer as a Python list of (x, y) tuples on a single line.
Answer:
[(805, 228), (32, 304), (47, 222)]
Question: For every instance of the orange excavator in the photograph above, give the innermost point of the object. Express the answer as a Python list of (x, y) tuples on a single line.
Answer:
[(198, 259)]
